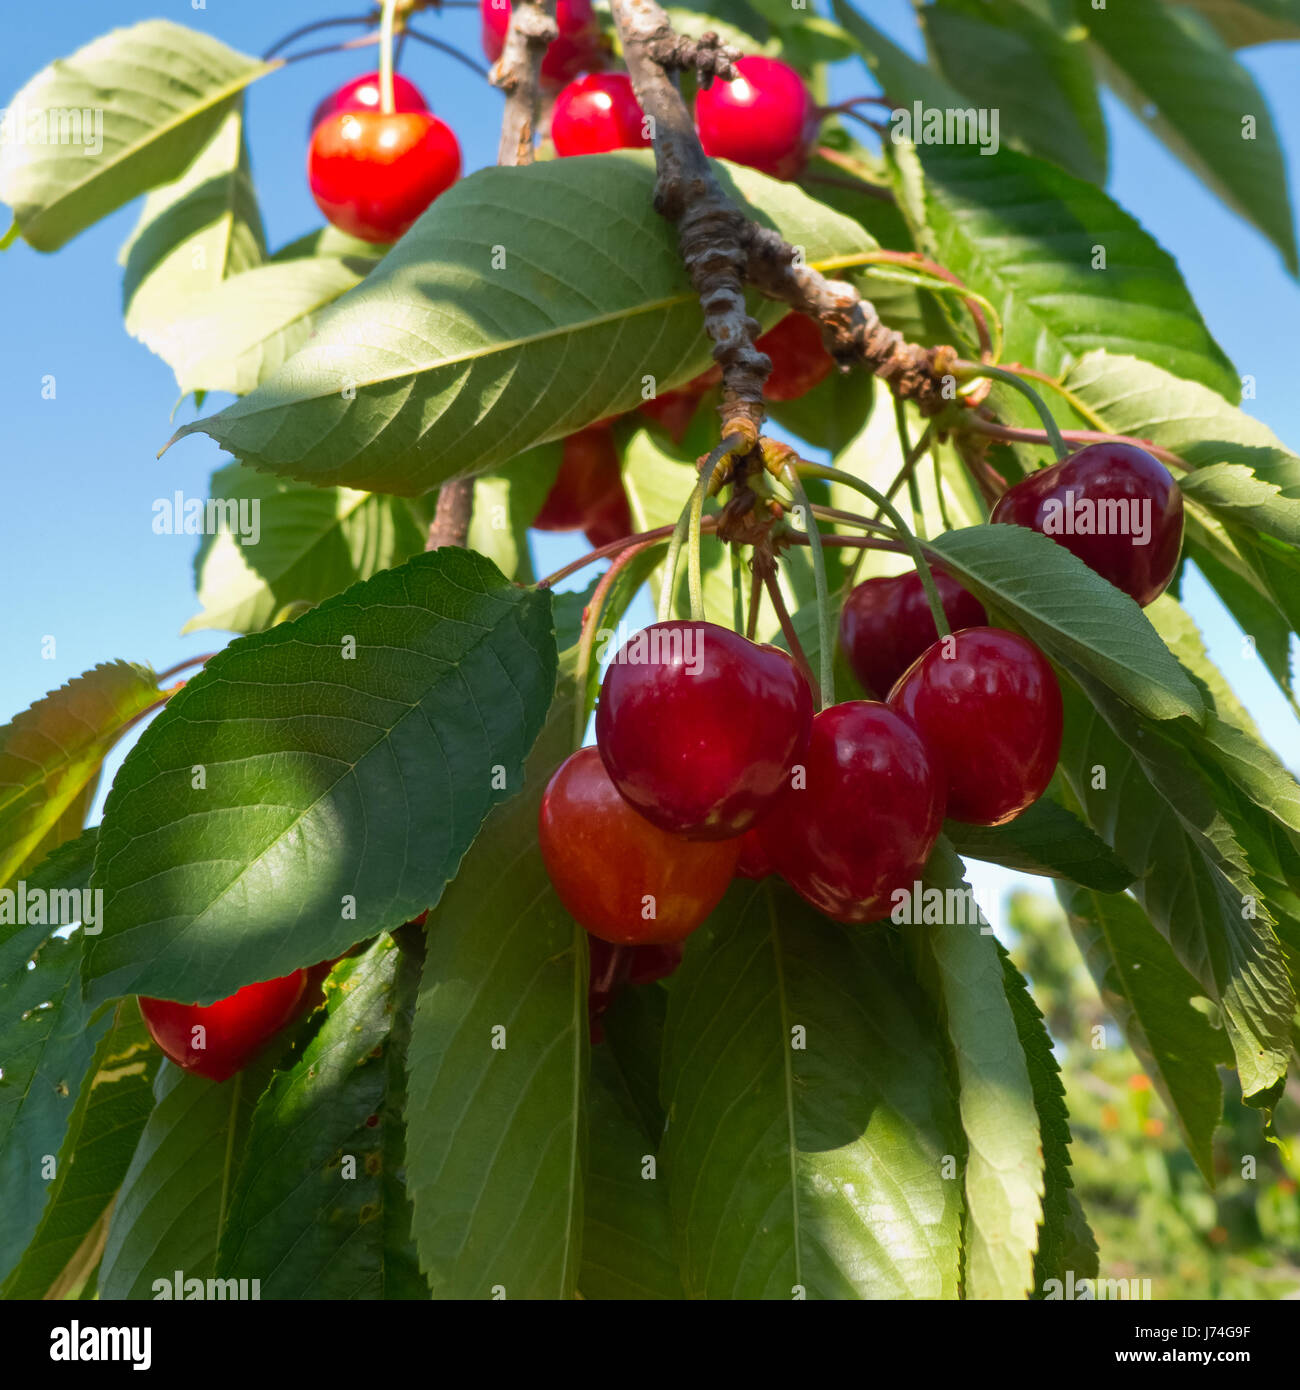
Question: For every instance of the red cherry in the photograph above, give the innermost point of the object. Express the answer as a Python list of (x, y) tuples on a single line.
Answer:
[(753, 861), (765, 118), (1119, 493), (578, 49), (799, 358), (990, 712), (588, 489), (651, 963), (698, 726), (608, 973), (362, 94), (612, 869), (235, 1029), (886, 624), (373, 174), (610, 522), (866, 817), (598, 113)]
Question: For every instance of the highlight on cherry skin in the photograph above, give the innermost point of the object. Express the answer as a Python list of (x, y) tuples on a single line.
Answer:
[(217, 1040), (698, 727), (988, 705), (363, 94), (623, 879), (1113, 505)]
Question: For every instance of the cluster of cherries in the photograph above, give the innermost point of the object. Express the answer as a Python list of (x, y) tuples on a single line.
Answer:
[(709, 761)]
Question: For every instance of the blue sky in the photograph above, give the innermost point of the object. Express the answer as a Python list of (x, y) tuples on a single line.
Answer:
[(81, 562)]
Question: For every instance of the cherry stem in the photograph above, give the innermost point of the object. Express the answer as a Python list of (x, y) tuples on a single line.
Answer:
[(967, 370), (825, 631), (737, 591), (365, 41), (590, 626), (449, 49), (679, 533), (1027, 436), (184, 665), (387, 103), (367, 20), (755, 599), (694, 574), (835, 475), (768, 569), (909, 463), (850, 519), (913, 490), (972, 302), (603, 552)]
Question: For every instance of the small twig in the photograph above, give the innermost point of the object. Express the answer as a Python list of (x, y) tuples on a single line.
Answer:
[(532, 28), (181, 665), (978, 425), (449, 49), (450, 524)]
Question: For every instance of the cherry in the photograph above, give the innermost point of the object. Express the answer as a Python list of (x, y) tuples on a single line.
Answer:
[(612, 967), (753, 861), (235, 1029), (886, 624), (598, 113), (362, 94), (988, 706), (862, 823), (799, 358), (651, 963), (698, 726), (673, 411), (373, 174), (578, 49), (623, 879), (588, 490), (765, 118), (1099, 504)]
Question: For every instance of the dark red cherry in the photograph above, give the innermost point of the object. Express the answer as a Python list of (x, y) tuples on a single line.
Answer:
[(373, 174), (863, 820), (765, 118), (886, 624), (673, 411), (651, 963), (362, 94), (610, 522), (753, 861), (698, 726), (588, 487), (623, 879), (598, 113), (578, 49), (217, 1040), (1114, 506), (799, 358), (988, 705)]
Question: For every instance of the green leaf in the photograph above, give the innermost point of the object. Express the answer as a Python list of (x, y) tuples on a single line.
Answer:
[(988, 53), (1054, 1232), (51, 753), (1265, 497), (832, 413), (810, 1112), (239, 333), (48, 1037), (311, 543), (320, 781), (1175, 72), (1142, 791), (1004, 1179), (443, 362), (1025, 234), (505, 503), (496, 1112), (1243, 22), (1148, 994), (1049, 840), (634, 1035), (192, 235), (627, 1238), (172, 1205), (129, 112), (106, 1125), (318, 1208), (1070, 612), (900, 76)]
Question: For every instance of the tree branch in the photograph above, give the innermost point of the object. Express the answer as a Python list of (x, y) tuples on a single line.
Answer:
[(723, 250)]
